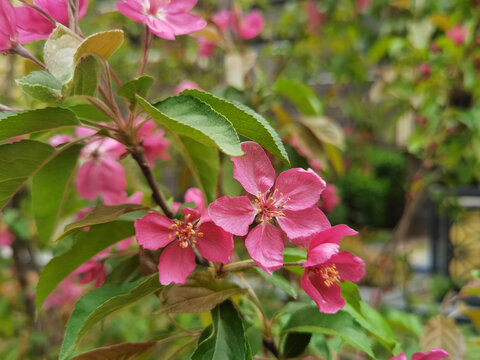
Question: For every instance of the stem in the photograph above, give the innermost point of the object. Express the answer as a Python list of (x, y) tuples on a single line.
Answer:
[(146, 49), (246, 264), (20, 50), (73, 15), (139, 155)]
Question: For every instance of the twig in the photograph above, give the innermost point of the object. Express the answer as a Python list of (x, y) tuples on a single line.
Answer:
[(146, 49), (138, 154)]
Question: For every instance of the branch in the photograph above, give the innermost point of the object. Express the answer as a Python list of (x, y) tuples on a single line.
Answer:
[(139, 155)]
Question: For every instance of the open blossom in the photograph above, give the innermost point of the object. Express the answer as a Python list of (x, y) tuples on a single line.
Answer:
[(164, 18), (178, 237), (93, 270), (435, 354), (326, 266), (8, 31), (248, 26), (457, 34), (101, 174), (33, 26), (154, 142), (186, 84), (291, 203), (330, 199)]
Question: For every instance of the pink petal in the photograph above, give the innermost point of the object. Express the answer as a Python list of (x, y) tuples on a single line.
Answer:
[(435, 354), (265, 245), (303, 223), (184, 85), (400, 356), (253, 170), (206, 49), (216, 244), (88, 182), (58, 9), (303, 187), (321, 254), (222, 19), (83, 131), (192, 214), (31, 25), (59, 140), (8, 19), (160, 28), (332, 235), (328, 298), (124, 244), (233, 214), (112, 148), (251, 25), (180, 6), (330, 198), (152, 231), (112, 179), (131, 9), (184, 23), (176, 263), (195, 195), (349, 266)]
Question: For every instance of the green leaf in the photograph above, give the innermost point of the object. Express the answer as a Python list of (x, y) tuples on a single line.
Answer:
[(125, 270), (89, 112), (100, 215), (126, 351), (41, 85), (138, 86), (87, 244), (85, 78), (301, 95), (367, 317), (31, 121), (98, 303), (19, 161), (102, 44), (295, 344), (227, 338), (188, 116), (279, 281), (49, 190), (309, 320), (204, 163), (202, 292), (245, 121), (324, 129)]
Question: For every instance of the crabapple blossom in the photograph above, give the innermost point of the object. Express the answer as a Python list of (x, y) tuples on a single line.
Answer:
[(93, 270), (206, 48), (164, 18), (34, 26), (178, 237), (248, 26), (330, 198), (154, 142), (457, 34), (434, 354), (194, 195), (326, 267), (291, 204), (186, 84), (8, 30)]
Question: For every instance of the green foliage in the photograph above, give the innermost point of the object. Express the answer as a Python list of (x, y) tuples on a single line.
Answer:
[(279, 281), (85, 77), (41, 85), (138, 86), (226, 339), (99, 303), (31, 121), (301, 95), (87, 244)]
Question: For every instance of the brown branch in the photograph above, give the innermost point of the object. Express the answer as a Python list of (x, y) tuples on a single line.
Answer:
[(138, 154)]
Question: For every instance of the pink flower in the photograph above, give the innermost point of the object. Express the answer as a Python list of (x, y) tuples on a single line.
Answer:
[(33, 26), (330, 198), (101, 174), (154, 142), (457, 34), (59, 140), (435, 354), (326, 266), (362, 5), (195, 195), (165, 18), (206, 48), (177, 261), (291, 203), (93, 270), (6, 236), (186, 84), (8, 30), (425, 70), (222, 19), (315, 17), (65, 292), (249, 26)]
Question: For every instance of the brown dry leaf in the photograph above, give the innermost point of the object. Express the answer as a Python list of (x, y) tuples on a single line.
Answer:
[(441, 332), (127, 351)]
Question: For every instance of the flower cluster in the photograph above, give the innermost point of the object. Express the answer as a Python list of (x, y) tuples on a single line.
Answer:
[(274, 209)]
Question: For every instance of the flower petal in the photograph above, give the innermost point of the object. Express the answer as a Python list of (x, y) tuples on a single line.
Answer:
[(152, 231), (195, 195), (185, 23), (434, 354), (180, 6), (251, 25), (253, 170), (233, 214), (400, 356), (328, 298), (321, 254), (303, 223), (88, 180), (332, 235), (349, 266), (303, 187), (175, 264), (215, 244), (265, 245)]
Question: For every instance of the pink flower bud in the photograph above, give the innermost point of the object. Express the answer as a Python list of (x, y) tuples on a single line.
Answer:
[(457, 34)]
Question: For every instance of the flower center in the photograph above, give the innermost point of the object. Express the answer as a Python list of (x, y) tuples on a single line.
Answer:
[(329, 274), (154, 9), (186, 232), (271, 205)]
